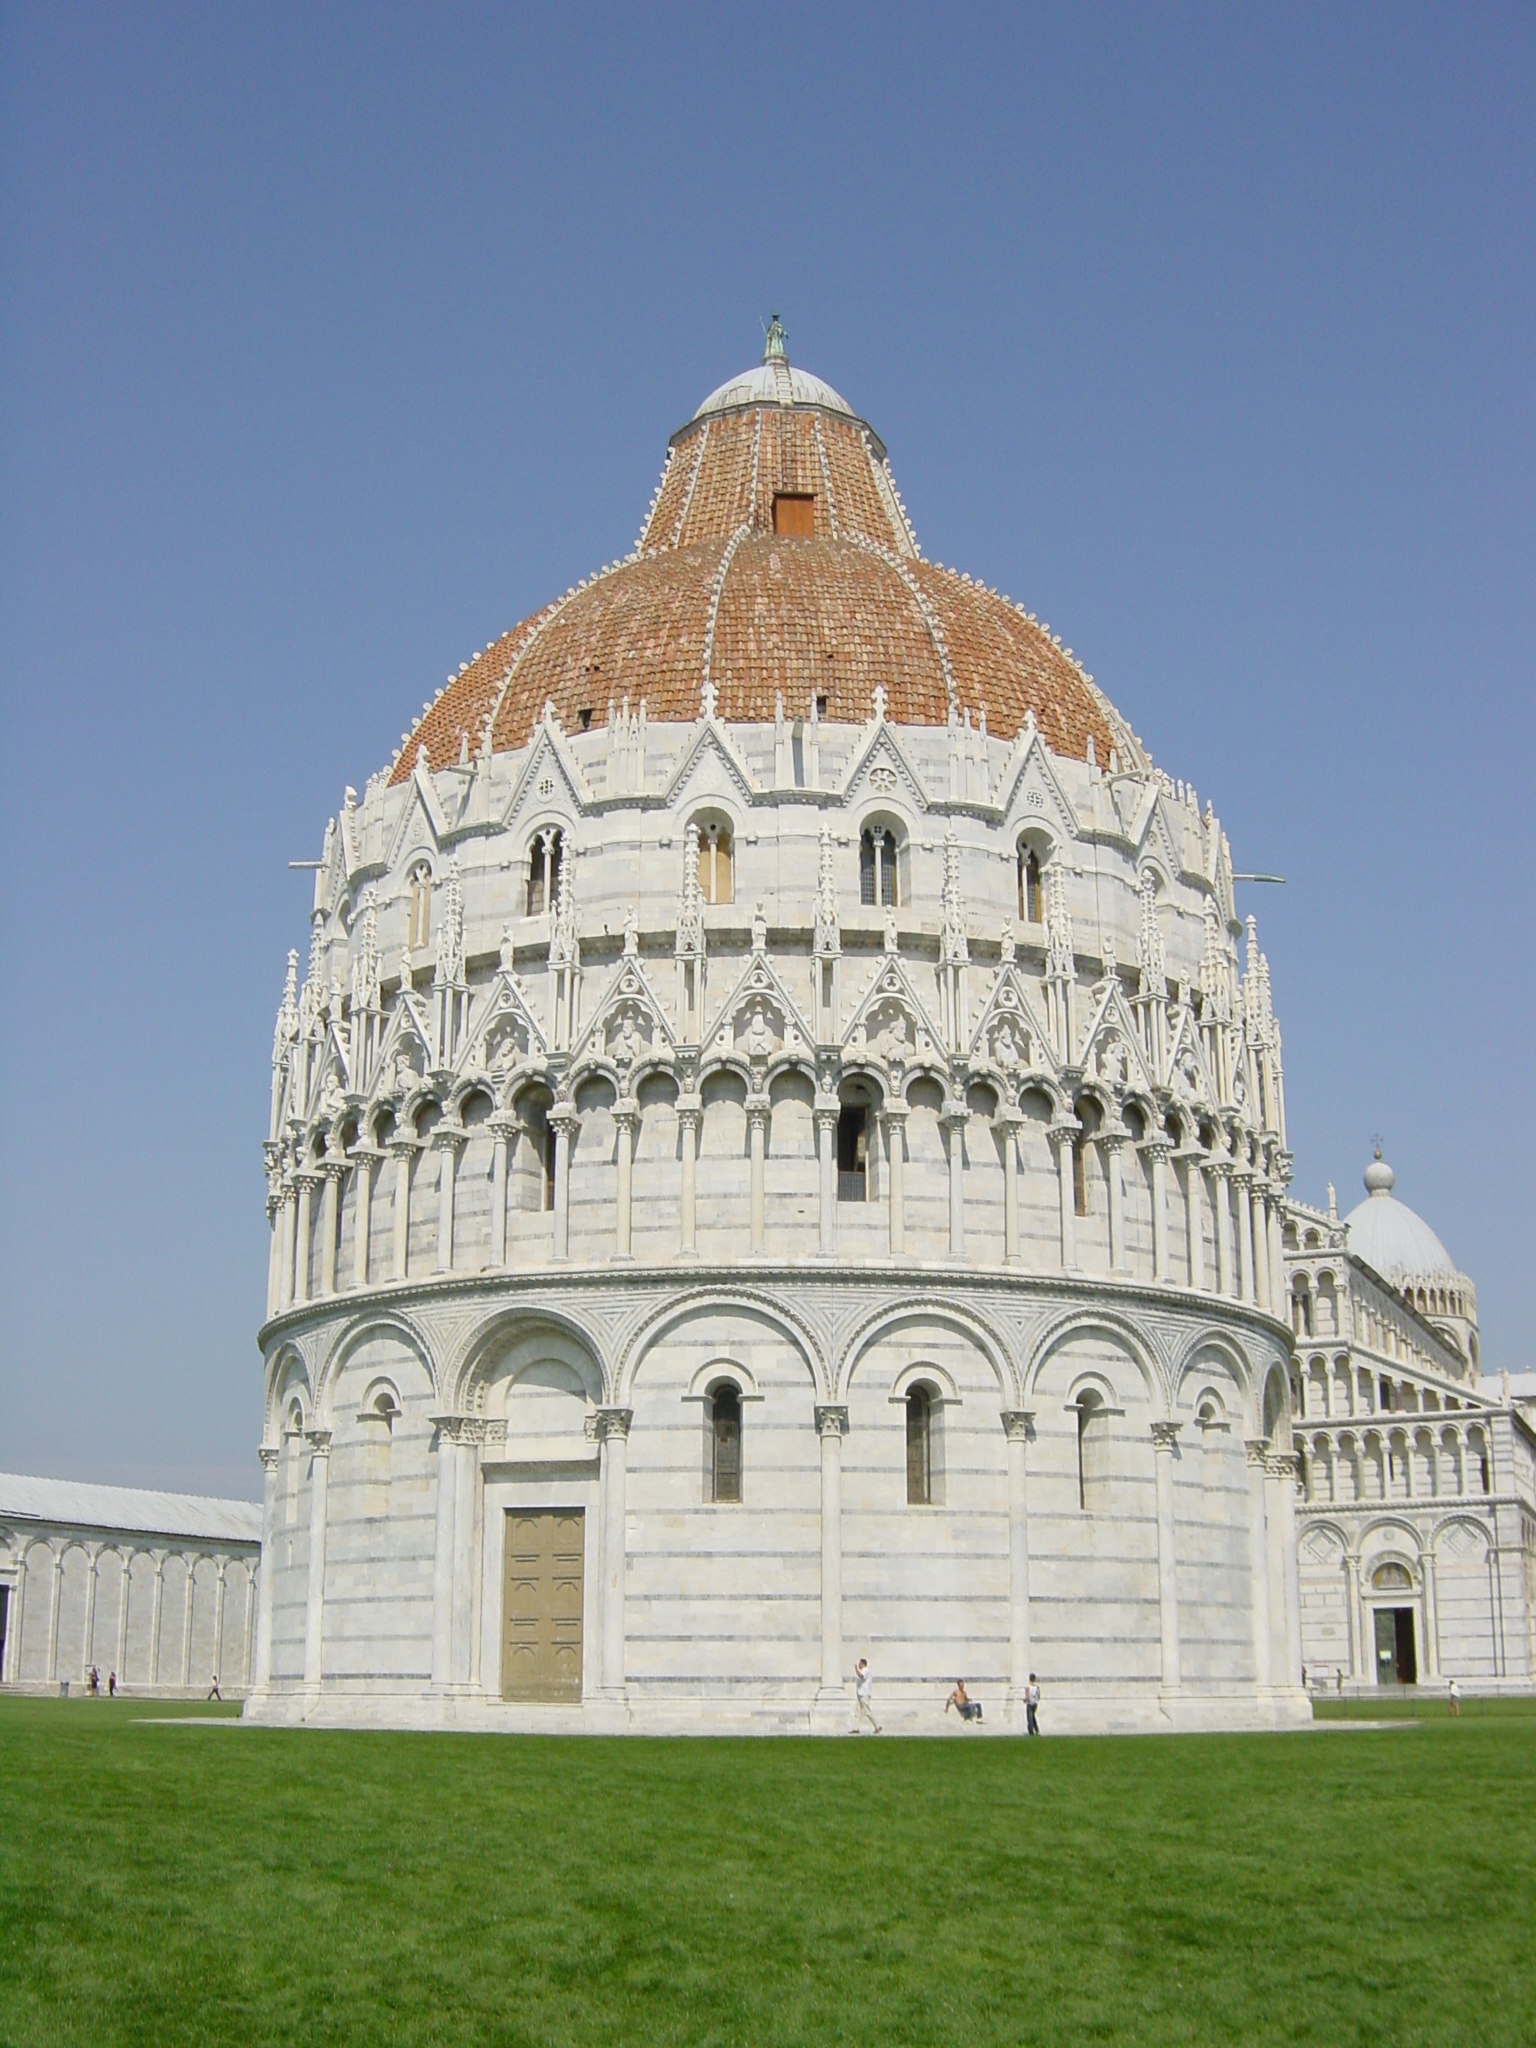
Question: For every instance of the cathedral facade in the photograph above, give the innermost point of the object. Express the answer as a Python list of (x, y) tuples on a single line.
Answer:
[(778, 1155)]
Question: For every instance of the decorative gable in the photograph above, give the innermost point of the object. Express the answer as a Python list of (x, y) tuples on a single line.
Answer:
[(1010, 1036), (550, 778), (881, 767), (1111, 1051), (709, 765), (759, 1019), (504, 1030), (628, 1025), (892, 1022), (1031, 792)]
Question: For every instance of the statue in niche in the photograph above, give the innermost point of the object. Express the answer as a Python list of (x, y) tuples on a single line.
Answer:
[(759, 928), (405, 1073), (1114, 1066), (506, 949), (631, 931), (893, 1040), (1186, 1075), (330, 1094), (1004, 1047), (626, 1049), (891, 940), (759, 1041)]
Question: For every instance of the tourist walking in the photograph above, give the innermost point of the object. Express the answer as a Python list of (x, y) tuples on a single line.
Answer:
[(95, 1683), (864, 1696), (967, 1708), (1453, 1700), (1032, 1706), (213, 1690), (111, 1685)]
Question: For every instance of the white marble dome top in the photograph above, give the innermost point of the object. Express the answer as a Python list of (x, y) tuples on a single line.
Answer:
[(1391, 1237), (764, 385)]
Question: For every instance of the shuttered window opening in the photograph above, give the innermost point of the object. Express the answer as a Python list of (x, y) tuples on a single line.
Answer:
[(725, 1444), (794, 514), (919, 1447)]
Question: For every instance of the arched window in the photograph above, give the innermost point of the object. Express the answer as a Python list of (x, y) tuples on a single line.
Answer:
[(879, 882), (853, 1152), (919, 1446), (1031, 898), (293, 1451), (378, 1420), (1092, 1452), (544, 871), (1391, 1578), (717, 875), (724, 1412), (420, 905)]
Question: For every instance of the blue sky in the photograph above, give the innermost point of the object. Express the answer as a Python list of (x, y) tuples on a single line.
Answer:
[(331, 343)]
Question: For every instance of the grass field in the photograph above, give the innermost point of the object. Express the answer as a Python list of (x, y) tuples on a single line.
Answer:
[(195, 1883)]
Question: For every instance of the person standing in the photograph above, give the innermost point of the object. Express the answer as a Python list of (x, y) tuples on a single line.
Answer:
[(1453, 1700), (864, 1695), (111, 1685), (1031, 1705)]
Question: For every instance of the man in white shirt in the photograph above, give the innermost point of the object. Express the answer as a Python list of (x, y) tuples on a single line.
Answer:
[(863, 1696), (1031, 1705)]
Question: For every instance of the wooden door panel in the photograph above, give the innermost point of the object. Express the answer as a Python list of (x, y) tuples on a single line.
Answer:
[(542, 1604)]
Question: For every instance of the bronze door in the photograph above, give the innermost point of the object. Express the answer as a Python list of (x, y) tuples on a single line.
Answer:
[(541, 1604)]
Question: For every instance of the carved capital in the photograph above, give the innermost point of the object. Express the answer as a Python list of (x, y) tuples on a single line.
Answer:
[(614, 1422), (269, 1455), (757, 1109), (1257, 1448), (319, 1441), (1165, 1435), (1018, 1424), (1282, 1465), (831, 1419)]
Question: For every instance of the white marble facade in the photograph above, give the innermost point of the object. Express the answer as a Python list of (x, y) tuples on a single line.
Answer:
[(158, 1588), (1417, 1476), (625, 1154)]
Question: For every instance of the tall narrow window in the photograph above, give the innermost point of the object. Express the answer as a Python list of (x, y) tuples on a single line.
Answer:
[(919, 1447), (378, 1423), (543, 873), (725, 1444), (549, 1166), (1079, 1176), (1092, 1447), (717, 879), (420, 905), (852, 1152), (878, 883), (1031, 905)]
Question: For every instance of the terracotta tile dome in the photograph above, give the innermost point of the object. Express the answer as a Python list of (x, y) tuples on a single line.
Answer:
[(778, 561)]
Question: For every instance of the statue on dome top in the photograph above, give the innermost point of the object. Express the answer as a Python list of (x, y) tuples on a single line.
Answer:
[(774, 339)]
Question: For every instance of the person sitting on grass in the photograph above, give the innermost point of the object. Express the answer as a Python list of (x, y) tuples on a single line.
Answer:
[(969, 1709)]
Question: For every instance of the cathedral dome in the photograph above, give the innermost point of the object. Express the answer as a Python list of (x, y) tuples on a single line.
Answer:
[(1391, 1237), (777, 565)]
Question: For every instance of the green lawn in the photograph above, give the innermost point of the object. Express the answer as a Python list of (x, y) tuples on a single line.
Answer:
[(184, 1884)]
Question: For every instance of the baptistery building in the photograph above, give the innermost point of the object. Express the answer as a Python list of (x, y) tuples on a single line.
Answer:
[(777, 1155)]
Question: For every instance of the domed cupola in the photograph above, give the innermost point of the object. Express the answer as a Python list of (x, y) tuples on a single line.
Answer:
[(1398, 1244)]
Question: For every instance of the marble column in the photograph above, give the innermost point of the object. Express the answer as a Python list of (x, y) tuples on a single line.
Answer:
[(565, 1121), (186, 1625), (156, 1609), (269, 1455), (503, 1132), (894, 1119), (364, 1159), (314, 1605), (403, 1152), (218, 1617), (1061, 1137), (445, 1535), (448, 1140), (1276, 1254), (954, 1121), (831, 1426), (1109, 1143), (1158, 1149), (1012, 1126), (1353, 1615), (613, 1449), (286, 1256), (757, 1138), (1431, 1617), (1258, 1562), (1017, 1424), (826, 1112), (1285, 1614), (626, 1117), (1244, 1183), (120, 1648), (1194, 1213), (1221, 1202), (1165, 1436), (90, 1610), (301, 1237), (330, 1209), (1260, 1218), (274, 1253), (689, 1112)]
